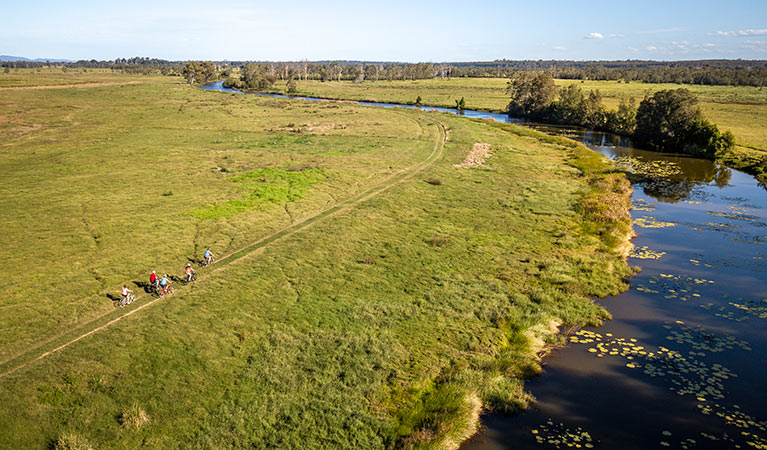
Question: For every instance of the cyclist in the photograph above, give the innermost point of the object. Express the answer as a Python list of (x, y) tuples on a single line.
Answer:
[(189, 272), (125, 293), (164, 282), (153, 279), (207, 256)]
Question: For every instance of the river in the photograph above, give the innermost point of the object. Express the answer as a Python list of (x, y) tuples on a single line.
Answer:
[(683, 362)]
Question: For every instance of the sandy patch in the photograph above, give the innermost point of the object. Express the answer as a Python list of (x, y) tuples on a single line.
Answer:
[(477, 156)]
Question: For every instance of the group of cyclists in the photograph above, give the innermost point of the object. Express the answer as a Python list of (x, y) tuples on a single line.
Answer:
[(162, 285)]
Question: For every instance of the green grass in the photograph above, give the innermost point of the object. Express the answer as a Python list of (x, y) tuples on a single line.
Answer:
[(55, 76), (740, 109), (371, 325), (263, 187)]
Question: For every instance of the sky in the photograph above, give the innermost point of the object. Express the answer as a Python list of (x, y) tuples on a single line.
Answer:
[(392, 30)]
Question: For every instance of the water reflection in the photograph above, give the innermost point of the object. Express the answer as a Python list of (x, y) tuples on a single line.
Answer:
[(670, 187)]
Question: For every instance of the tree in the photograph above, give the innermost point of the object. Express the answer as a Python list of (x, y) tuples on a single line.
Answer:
[(195, 72), (191, 71), (594, 110), (624, 120), (530, 93), (257, 76), (460, 105), (292, 88), (670, 120), (570, 108)]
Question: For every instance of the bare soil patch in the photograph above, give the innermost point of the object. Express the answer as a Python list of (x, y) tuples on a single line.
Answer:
[(476, 157)]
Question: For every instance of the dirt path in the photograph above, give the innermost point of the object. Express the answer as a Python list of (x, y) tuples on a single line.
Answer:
[(31, 355), (67, 86)]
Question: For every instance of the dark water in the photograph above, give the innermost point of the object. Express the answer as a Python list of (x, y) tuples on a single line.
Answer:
[(683, 363)]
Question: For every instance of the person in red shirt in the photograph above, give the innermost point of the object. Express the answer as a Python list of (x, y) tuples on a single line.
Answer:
[(189, 271), (153, 279)]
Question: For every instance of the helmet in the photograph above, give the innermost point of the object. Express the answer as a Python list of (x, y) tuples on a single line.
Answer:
[(153, 271), (188, 264)]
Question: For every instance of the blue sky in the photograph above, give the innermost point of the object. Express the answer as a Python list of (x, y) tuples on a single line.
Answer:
[(391, 30)]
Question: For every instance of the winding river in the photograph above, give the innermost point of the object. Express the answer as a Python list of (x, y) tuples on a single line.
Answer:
[(683, 363)]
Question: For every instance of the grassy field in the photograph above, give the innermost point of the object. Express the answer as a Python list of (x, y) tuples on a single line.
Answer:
[(55, 76), (368, 292), (740, 109)]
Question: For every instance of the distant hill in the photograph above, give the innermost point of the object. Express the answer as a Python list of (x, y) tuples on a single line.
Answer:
[(40, 60)]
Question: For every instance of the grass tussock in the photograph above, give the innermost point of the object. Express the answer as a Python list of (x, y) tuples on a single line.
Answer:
[(134, 417), (71, 441), (434, 181), (439, 241)]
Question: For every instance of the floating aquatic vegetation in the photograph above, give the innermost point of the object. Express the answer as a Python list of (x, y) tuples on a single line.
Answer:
[(560, 436), (736, 235), (756, 263), (699, 195), (696, 262), (652, 222), (714, 226), (671, 286), (740, 201), (644, 252), (734, 214), (685, 444), (641, 204), (701, 339), (687, 375), (733, 416), (755, 308), (650, 169)]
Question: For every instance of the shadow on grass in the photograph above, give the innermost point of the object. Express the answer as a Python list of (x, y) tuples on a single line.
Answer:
[(144, 285)]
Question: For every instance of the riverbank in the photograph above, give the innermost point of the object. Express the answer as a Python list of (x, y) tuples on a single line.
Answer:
[(688, 335)]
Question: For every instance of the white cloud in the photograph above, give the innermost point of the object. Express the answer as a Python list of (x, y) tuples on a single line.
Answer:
[(652, 48), (748, 32), (559, 48), (595, 36)]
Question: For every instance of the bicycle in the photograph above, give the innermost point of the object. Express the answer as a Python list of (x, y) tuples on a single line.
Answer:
[(126, 300), (207, 262), (167, 290), (154, 288), (189, 278)]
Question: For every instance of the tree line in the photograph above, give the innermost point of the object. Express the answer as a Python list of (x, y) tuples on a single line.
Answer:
[(668, 120), (707, 72)]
